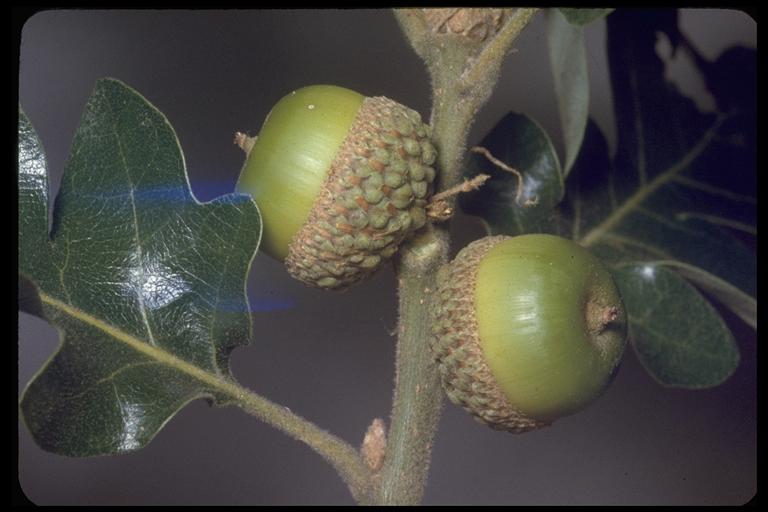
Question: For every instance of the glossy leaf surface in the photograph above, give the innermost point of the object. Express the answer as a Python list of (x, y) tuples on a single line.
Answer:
[(520, 143), (145, 284)]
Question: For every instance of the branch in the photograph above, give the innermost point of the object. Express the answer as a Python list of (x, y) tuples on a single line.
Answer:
[(490, 58), (343, 457), (439, 209), (501, 165), (418, 396), (338, 453), (413, 24), (464, 64)]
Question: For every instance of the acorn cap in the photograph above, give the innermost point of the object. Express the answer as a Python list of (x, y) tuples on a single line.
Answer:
[(467, 379), (373, 197)]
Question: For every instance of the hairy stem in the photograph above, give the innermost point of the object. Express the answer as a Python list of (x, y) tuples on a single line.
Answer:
[(418, 398), (342, 456), (463, 75)]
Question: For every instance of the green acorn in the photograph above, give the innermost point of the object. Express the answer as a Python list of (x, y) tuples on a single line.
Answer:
[(527, 329), (341, 180)]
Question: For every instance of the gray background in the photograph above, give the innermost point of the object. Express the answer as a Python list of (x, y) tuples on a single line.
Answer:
[(329, 356)]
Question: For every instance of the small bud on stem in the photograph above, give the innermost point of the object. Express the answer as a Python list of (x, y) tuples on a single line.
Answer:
[(374, 445)]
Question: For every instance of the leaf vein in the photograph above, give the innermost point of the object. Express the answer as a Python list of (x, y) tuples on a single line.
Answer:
[(643, 192), (715, 191), (140, 262), (157, 354), (622, 240), (717, 220)]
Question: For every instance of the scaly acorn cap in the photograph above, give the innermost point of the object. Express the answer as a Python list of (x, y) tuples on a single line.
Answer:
[(553, 323), (466, 377), (373, 196)]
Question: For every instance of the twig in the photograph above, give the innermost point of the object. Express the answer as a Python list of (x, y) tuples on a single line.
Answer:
[(490, 58), (462, 81), (440, 210), (341, 455), (501, 165)]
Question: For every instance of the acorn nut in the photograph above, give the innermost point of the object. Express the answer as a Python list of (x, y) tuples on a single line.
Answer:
[(332, 174), (527, 329)]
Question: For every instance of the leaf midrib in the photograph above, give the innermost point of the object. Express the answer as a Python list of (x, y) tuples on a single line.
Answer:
[(139, 251), (161, 356), (344, 457)]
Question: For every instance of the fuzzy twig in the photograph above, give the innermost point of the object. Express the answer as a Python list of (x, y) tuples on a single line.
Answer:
[(464, 65), (501, 165), (439, 209)]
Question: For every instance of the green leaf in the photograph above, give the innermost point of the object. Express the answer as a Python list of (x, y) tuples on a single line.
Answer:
[(681, 181), (739, 302), (678, 336), (582, 17), (520, 143), (680, 186), (34, 250), (568, 60), (679, 193), (668, 218), (145, 284)]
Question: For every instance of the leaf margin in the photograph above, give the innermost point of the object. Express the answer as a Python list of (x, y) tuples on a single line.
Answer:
[(221, 388)]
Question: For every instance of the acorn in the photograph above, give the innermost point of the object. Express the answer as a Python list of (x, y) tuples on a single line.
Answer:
[(527, 329), (341, 180)]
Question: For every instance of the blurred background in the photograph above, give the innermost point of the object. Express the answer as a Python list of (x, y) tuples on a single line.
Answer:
[(329, 357)]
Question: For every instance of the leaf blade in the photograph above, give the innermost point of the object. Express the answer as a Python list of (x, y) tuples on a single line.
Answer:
[(34, 251), (568, 62), (680, 339), (730, 296), (138, 276), (522, 144)]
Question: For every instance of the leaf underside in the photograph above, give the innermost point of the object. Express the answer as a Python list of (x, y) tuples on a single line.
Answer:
[(568, 60), (145, 284)]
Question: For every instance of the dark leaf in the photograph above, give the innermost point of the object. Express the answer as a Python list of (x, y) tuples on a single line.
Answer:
[(681, 182), (145, 284), (744, 306), (733, 94), (679, 337), (678, 195), (520, 143)]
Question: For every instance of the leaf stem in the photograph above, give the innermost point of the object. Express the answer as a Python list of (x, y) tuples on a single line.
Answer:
[(342, 456)]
